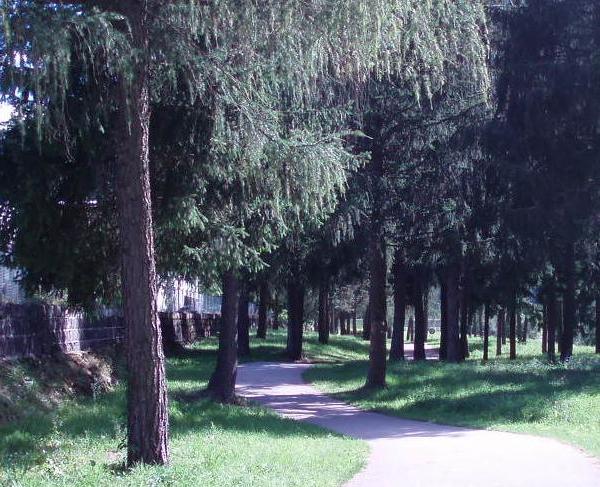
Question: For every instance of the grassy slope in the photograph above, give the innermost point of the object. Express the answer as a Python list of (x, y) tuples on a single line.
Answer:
[(527, 395), (79, 442)]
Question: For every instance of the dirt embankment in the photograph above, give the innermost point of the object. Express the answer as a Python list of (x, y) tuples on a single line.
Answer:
[(35, 384)]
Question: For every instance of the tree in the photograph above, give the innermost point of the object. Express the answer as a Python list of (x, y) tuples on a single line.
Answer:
[(548, 96), (222, 381), (151, 47)]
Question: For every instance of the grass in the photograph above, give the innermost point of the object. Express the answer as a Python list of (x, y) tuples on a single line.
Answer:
[(80, 442), (528, 395), (339, 349)]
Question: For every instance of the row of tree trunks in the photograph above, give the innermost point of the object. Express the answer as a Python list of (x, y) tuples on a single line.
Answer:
[(399, 271), (221, 385), (296, 293), (263, 307)]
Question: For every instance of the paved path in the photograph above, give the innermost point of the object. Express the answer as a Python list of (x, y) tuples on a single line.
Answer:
[(415, 453)]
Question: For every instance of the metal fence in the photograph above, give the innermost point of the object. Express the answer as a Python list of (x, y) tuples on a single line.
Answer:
[(10, 289)]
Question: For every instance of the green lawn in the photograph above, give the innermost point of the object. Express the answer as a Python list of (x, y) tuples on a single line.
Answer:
[(527, 395), (79, 443)]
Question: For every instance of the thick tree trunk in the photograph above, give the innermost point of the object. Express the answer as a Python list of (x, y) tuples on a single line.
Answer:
[(377, 307), (243, 322), (397, 346), (553, 317), (569, 310), (354, 332), (420, 322), (453, 347), (147, 410), (513, 328), (598, 323), (545, 328), (500, 321), (443, 318), (486, 332), (263, 306), (222, 382), (323, 323), (295, 320)]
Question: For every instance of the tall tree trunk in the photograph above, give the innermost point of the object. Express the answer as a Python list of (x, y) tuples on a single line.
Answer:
[(425, 312), (598, 323), (354, 332), (263, 306), (397, 346), (553, 318), (276, 312), (545, 328), (500, 322), (504, 327), (559, 323), (464, 319), (410, 328), (377, 305), (420, 323), (453, 347), (443, 318), (366, 331), (513, 328), (243, 322), (569, 310), (296, 319), (323, 323), (525, 329), (486, 332), (222, 382), (147, 409)]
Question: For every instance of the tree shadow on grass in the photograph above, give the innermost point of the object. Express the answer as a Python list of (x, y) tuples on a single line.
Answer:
[(469, 393), (29, 441)]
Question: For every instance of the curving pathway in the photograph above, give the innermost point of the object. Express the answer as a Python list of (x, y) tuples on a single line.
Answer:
[(415, 453)]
